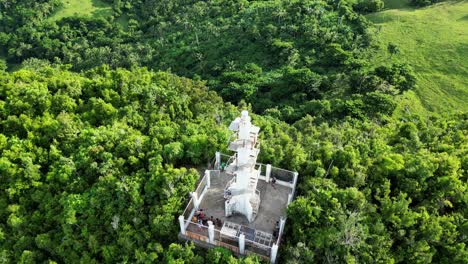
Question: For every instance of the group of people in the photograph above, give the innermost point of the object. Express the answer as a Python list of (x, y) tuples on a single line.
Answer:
[(201, 219)]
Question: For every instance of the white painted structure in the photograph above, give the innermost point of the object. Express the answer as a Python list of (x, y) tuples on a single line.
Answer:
[(241, 193), (242, 244), (274, 253), (182, 224), (242, 173), (211, 232)]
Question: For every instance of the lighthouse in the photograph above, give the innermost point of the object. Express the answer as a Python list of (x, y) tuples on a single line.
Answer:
[(241, 193), (239, 203)]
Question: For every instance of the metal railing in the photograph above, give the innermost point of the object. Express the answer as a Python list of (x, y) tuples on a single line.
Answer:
[(229, 183), (199, 232), (188, 209), (225, 158), (201, 186), (196, 231), (282, 175), (262, 169), (253, 247)]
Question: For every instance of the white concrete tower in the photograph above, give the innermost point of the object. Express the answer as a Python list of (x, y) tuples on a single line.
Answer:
[(241, 192)]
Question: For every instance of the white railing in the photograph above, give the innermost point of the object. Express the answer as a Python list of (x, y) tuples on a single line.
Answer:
[(264, 248), (200, 232), (188, 209)]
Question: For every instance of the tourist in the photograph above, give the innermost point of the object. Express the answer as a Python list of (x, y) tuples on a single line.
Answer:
[(199, 223), (218, 222), (200, 214)]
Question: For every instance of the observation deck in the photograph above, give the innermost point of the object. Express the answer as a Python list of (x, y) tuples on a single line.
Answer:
[(240, 204), (258, 237)]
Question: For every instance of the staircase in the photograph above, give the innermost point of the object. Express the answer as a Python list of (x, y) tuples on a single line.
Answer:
[(228, 208), (255, 203), (252, 183)]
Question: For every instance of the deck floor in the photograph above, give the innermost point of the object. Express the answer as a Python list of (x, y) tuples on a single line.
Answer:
[(273, 204)]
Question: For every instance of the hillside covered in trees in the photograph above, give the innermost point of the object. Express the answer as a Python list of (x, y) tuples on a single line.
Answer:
[(105, 116)]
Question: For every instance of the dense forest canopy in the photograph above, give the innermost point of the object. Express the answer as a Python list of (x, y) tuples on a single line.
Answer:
[(86, 157), (104, 124), (290, 57)]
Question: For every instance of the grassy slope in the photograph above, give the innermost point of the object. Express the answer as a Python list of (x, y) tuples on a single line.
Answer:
[(83, 8), (95, 8), (434, 40)]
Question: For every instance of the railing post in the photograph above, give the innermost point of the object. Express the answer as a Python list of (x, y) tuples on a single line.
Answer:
[(182, 224), (196, 202), (227, 208), (274, 253), (282, 222), (268, 172), (290, 197), (295, 180), (242, 244), (218, 160), (211, 232), (208, 180)]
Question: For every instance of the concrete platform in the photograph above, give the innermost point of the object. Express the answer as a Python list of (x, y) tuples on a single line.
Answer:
[(273, 204)]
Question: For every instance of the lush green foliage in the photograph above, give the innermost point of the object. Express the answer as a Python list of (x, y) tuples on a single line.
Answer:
[(94, 165), (369, 6), (392, 193), (245, 49), (85, 171), (433, 41), (423, 2)]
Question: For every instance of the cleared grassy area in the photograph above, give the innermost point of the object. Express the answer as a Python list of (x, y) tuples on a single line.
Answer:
[(83, 8), (434, 40)]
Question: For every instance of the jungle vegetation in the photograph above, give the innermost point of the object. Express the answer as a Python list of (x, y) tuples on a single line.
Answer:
[(108, 107)]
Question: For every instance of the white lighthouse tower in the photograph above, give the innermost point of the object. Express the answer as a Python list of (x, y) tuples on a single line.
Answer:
[(241, 192), (238, 181)]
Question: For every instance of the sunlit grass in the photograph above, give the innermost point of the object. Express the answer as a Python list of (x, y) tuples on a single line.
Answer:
[(82, 8), (434, 40)]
